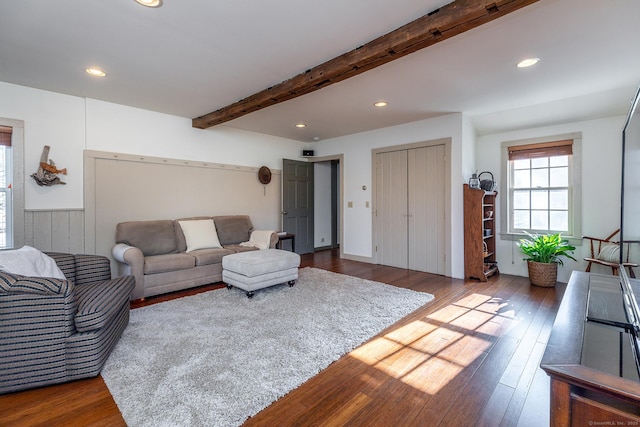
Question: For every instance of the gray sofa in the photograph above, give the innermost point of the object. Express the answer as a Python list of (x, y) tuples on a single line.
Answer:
[(155, 253), (56, 330)]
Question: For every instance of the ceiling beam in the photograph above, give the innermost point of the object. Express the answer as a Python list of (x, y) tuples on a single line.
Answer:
[(443, 23)]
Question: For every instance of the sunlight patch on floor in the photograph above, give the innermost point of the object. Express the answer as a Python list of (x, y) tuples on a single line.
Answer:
[(448, 313), (407, 334), (496, 327), (412, 356), (465, 351), (431, 376), (473, 300), (428, 354), (376, 350), (472, 319)]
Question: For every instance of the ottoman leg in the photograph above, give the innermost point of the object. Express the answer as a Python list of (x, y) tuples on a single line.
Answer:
[(250, 294), (291, 283), (229, 286)]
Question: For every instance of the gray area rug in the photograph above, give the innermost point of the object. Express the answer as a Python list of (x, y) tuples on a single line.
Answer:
[(216, 358)]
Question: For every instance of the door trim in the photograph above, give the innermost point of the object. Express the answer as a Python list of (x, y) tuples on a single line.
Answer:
[(340, 159), (18, 181), (447, 188)]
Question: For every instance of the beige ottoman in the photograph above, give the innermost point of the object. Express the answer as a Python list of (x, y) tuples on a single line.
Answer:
[(255, 270)]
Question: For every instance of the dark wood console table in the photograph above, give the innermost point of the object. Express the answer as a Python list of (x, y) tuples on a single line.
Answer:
[(583, 396), (288, 236)]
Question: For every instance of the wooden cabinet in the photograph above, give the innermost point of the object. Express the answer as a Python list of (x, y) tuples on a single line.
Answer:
[(583, 395), (479, 233)]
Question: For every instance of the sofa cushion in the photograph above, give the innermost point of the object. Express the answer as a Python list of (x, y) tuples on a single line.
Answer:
[(151, 237), (233, 229), (238, 248), (170, 262), (200, 234), (209, 256), (99, 302)]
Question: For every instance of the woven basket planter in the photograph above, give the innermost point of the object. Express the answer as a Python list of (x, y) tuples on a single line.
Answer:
[(543, 274)]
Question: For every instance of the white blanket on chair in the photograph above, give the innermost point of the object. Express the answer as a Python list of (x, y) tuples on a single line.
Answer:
[(260, 239), (28, 261)]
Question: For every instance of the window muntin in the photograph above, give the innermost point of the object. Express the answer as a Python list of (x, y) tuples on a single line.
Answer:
[(540, 194)]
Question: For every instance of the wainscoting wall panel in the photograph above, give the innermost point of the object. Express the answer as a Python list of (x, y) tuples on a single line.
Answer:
[(123, 187), (55, 230)]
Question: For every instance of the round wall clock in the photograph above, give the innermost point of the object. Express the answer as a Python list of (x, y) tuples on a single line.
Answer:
[(264, 175)]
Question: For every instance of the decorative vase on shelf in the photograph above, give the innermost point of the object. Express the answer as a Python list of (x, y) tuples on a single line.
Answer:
[(474, 181)]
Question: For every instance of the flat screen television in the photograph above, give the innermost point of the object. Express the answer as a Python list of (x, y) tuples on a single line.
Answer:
[(630, 186), (630, 219)]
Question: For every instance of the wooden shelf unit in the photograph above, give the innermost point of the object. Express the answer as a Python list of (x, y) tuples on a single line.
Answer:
[(479, 231)]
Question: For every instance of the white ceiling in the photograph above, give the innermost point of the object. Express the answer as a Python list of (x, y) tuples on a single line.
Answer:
[(192, 57)]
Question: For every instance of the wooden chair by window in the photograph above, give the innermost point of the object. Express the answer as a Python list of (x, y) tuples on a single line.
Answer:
[(607, 252)]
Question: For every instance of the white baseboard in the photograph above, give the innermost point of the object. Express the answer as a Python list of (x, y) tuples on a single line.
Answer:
[(358, 258)]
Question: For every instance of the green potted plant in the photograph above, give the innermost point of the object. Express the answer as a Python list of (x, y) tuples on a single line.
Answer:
[(543, 254)]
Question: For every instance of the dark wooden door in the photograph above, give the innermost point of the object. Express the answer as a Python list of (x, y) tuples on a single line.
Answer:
[(297, 203)]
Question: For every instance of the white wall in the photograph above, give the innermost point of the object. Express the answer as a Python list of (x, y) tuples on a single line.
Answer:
[(55, 120), (72, 124), (601, 177), (358, 233), (117, 128), (468, 149)]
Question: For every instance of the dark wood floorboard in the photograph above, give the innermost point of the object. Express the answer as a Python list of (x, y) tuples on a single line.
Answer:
[(470, 357)]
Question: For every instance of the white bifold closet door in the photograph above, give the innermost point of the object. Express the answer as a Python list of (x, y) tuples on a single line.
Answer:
[(410, 212), (392, 227)]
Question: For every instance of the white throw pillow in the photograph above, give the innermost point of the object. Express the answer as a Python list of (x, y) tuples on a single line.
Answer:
[(200, 234), (28, 261), (609, 252)]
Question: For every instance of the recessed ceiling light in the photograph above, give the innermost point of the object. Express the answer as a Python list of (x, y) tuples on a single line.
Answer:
[(381, 104), (150, 3), (96, 72), (527, 62), (300, 125)]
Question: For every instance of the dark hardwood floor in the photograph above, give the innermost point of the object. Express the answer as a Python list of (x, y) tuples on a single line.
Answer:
[(470, 357)]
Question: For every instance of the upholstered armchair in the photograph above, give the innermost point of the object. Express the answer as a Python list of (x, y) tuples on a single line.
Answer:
[(53, 330)]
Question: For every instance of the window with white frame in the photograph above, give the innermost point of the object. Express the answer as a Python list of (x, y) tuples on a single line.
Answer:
[(6, 177), (541, 188)]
